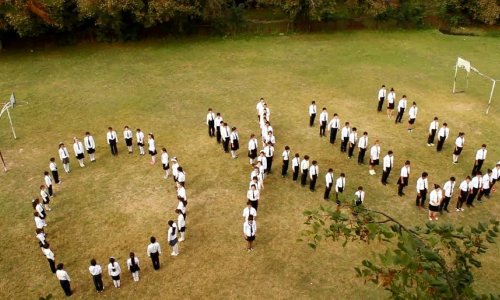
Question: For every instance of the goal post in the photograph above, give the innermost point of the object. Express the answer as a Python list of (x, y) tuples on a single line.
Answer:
[(5, 109)]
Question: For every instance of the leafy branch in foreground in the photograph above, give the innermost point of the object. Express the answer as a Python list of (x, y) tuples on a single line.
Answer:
[(434, 261)]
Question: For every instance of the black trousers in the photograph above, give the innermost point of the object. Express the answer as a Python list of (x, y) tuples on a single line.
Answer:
[(312, 183), (255, 204), (55, 175), (97, 279), (225, 144), (483, 192), (322, 128), (420, 201), (401, 185), (211, 128), (385, 175), (399, 117), (66, 287), (217, 132), (269, 161), (477, 167), (112, 146), (462, 198), (311, 120), (284, 168), (303, 180), (361, 155), (328, 188), (380, 103), (472, 196), (432, 135), (295, 173), (445, 203), (350, 153), (155, 258), (440, 143), (52, 265), (333, 135), (51, 191), (343, 145)]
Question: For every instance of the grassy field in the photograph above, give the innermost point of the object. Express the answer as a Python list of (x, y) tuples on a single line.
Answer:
[(113, 206)]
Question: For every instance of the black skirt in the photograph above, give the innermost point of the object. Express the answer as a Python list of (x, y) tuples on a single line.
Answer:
[(128, 142), (166, 166), (152, 153), (433, 208), (374, 162), (80, 156), (117, 277), (91, 151), (65, 160), (457, 151), (252, 153), (250, 238), (235, 145), (390, 105), (140, 144)]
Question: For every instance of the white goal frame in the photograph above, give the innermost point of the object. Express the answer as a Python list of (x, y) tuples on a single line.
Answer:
[(5, 108)]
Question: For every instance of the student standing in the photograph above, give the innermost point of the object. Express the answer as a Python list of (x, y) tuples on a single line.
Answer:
[(391, 99), (139, 135), (269, 153), (112, 139), (64, 279), (401, 109), (127, 135), (334, 126), (53, 170), (485, 186), (181, 177), (41, 236), (433, 128), (39, 222), (296, 166), (374, 157), (89, 142), (45, 197), (344, 137), (459, 145), (381, 98), (412, 116), (260, 107), (211, 123), (353, 138), (235, 142), (313, 175), (64, 156), (448, 188), (78, 148), (464, 193), (359, 196), (286, 159), (152, 148), (175, 168), (304, 168), (443, 134), (133, 266), (253, 196), (39, 208), (50, 257), (114, 272), (48, 183), (252, 148), (323, 121), (312, 113), (362, 145), (328, 184), (480, 157), (164, 162), (218, 124), (339, 187), (387, 166), (96, 272), (249, 230), (172, 238), (495, 174), (225, 135), (269, 139), (403, 178), (435, 198), (422, 185), (154, 251), (249, 211), (181, 223)]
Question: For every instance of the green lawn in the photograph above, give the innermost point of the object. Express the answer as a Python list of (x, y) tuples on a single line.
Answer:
[(165, 87)]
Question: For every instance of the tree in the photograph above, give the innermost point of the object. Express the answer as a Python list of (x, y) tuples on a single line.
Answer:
[(430, 262)]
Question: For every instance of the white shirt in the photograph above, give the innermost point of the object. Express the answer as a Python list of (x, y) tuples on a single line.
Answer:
[(360, 195), (89, 142), (286, 154), (249, 229), (323, 116), (381, 93), (62, 275), (151, 145), (448, 188), (114, 269), (391, 97), (464, 186), (313, 170), (375, 152), (269, 151), (481, 154), (41, 238), (48, 180), (495, 173), (257, 184), (267, 113), (259, 107), (181, 207), (181, 177), (210, 117), (164, 158), (181, 222), (48, 253), (345, 132), (234, 136), (78, 147), (422, 184), (218, 121), (435, 197), (388, 161), (295, 162), (181, 192), (263, 161), (304, 165), (175, 165), (405, 171), (111, 136), (40, 210), (270, 139), (340, 183), (486, 181), (444, 132), (249, 211), (153, 248), (224, 132), (52, 166), (459, 142), (312, 109), (63, 153), (252, 144), (39, 223), (412, 113), (140, 137), (253, 195), (127, 134), (95, 270), (363, 142), (171, 235), (433, 126), (353, 137), (334, 123), (129, 262), (402, 103), (329, 179)]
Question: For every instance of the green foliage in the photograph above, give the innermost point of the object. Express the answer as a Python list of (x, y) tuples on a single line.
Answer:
[(433, 262)]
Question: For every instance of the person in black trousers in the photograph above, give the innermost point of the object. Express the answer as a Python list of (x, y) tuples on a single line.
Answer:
[(304, 166), (329, 184), (211, 123), (286, 160), (312, 113), (50, 256), (64, 279), (403, 178), (313, 173), (401, 110), (96, 272), (154, 251), (112, 139), (296, 166)]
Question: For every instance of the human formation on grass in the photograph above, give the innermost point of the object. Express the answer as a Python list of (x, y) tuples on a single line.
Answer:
[(42, 208)]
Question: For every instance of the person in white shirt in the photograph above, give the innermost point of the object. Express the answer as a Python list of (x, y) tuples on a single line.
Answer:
[(253, 196), (45, 197), (225, 135), (312, 113), (112, 139), (211, 123), (164, 162), (64, 279), (181, 224), (422, 187), (89, 143), (381, 98), (64, 156), (353, 138), (255, 181), (41, 236), (218, 124), (412, 116), (235, 142), (78, 148), (50, 257), (362, 145), (96, 272), (260, 107), (374, 157), (433, 128), (48, 183), (249, 230), (39, 209), (53, 170), (127, 136), (266, 113), (464, 193), (296, 166), (269, 153), (334, 126), (485, 186), (443, 134), (172, 238), (323, 121), (401, 110), (391, 99), (459, 145), (114, 272), (252, 148), (154, 251), (328, 184), (181, 177), (448, 188), (435, 198), (249, 211), (39, 222), (480, 157), (304, 169), (495, 175), (286, 159), (175, 166), (339, 187), (359, 196), (152, 148), (313, 175), (387, 166), (133, 266), (344, 137), (139, 135), (403, 178), (263, 162)]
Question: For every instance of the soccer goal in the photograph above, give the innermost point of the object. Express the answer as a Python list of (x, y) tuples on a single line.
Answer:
[(466, 65), (5, 109)]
